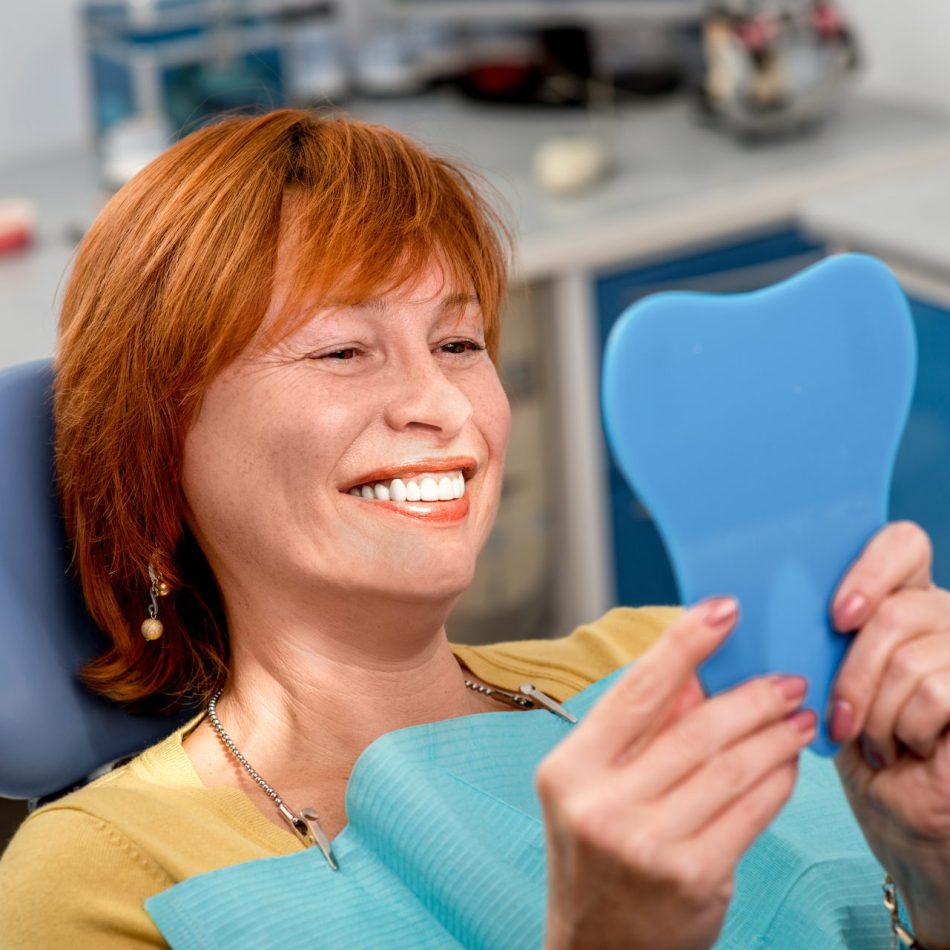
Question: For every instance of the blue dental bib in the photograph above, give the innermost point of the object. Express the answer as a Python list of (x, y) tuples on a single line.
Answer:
[(760, 430), (445, 848)]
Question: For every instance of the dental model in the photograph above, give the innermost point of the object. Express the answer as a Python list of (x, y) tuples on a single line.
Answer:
[(760, 430)]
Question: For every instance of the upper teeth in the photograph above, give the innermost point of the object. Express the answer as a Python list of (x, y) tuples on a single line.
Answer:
[(441, 487)]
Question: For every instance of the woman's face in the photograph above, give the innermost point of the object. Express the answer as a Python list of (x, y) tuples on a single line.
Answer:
[(295, 450)]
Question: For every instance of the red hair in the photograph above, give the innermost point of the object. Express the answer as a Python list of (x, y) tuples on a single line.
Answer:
[(171, 283)]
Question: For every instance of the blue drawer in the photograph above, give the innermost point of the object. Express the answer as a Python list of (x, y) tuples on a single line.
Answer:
[(921, 487)]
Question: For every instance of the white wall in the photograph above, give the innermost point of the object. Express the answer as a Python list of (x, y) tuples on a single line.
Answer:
[(906, 46), (42, 92), (42, 73), (43, 77)]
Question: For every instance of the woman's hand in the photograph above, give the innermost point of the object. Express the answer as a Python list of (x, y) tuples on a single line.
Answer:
[(653, 798), (891, 709)]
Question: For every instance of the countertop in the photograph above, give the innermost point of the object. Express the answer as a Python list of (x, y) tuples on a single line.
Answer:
[(904, 218), (674, 181)]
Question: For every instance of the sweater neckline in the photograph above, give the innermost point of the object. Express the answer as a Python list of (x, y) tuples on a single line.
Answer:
[(168, 763)]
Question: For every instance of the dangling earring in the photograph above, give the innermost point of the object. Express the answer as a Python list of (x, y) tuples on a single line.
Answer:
[(152, 627)]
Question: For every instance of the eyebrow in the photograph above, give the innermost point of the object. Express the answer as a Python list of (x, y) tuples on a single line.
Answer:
[(449, 302)]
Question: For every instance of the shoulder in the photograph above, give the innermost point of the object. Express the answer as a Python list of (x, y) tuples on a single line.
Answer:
[(70, 877), (568, 664), (80, 869)]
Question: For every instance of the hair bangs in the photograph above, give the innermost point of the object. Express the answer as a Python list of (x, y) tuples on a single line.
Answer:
[(375, 227)]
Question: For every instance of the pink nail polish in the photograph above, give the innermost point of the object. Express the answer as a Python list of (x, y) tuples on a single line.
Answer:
[(792, 688), (720, 611), (848, 614), (842, 721), (805, 720)]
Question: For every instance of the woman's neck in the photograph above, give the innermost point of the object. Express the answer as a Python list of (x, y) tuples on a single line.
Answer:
[(324, 705), (303, 702)]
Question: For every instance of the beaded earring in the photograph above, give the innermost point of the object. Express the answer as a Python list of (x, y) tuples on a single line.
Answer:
[(152, 627)]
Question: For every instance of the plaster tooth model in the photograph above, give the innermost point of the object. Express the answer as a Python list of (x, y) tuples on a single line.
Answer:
[(570, 164)]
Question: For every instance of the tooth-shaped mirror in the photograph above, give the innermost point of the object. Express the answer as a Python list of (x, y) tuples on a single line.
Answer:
[(760, 430)]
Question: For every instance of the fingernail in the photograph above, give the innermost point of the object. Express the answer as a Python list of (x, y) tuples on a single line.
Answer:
[(791, 687), (719, 611), (872, 756), (805, 720), (842, 721), (849, 612)]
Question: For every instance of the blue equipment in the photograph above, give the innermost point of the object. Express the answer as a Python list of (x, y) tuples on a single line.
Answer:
[(760, 430)]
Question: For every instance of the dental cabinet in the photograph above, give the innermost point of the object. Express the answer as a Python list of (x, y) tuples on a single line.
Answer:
[(682, 206)]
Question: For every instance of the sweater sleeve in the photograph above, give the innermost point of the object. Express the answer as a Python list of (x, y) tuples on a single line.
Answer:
[(70, 880)]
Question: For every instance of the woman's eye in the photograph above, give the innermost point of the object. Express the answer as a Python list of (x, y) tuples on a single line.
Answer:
[(347, 353), (457, 347)]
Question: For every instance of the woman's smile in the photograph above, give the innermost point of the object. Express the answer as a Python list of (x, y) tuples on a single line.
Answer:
[(430, 489)]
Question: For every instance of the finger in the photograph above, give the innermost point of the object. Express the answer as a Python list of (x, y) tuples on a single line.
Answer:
[(731, 775), (633, 708), (900, 618), (698, 737), (899, 555), (926, 714), (689, 696), (729, 836), (910, 666)]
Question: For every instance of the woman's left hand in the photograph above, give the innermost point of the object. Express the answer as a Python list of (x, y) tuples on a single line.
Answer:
[(891, 710)]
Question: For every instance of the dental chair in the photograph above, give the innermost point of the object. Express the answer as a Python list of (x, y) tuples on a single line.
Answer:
[(54, 733)]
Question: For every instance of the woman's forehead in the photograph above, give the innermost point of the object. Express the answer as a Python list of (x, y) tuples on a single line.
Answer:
[(450, 301), (453, 308), (435, 287)]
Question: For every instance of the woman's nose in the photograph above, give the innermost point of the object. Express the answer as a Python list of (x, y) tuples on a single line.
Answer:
[(423, 396)]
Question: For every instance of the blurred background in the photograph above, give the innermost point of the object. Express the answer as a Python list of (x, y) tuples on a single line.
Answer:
[(638, 145)]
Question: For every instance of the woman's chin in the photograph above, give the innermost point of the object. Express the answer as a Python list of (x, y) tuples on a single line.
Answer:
[(435, 584)]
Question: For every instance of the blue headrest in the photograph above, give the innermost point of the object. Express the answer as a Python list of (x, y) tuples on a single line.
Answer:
[(53, 731)]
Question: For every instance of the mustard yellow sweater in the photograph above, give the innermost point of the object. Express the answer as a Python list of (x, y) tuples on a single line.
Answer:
[(79, 870)]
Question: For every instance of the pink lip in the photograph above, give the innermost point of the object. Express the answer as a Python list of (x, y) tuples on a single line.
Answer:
[(432, 511)]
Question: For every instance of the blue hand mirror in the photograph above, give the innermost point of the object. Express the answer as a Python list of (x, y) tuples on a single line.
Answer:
[(760, 430)]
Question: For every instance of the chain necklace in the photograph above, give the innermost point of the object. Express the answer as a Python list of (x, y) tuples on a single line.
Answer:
[(306, 825)]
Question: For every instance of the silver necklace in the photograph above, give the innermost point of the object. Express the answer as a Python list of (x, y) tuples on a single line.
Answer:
[(306, 825)]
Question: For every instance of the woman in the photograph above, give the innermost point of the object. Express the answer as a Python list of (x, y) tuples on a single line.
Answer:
[(277, 400)]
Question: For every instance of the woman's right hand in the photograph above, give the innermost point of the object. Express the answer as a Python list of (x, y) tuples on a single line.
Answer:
[(654, 796)]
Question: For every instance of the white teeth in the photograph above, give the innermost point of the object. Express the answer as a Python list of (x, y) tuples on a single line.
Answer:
[(440, 488)]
